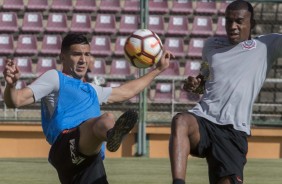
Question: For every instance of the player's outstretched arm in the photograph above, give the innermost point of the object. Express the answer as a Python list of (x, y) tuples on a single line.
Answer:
[(133, 87), (15, 97)]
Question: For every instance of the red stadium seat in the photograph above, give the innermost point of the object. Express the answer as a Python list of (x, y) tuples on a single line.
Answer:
[(163, 93), (98, 68), (51, 44), (175, 45), (158, 6), (188, 97), (182, 7), (17, 5), (128, 24), (120, 68), (131, 6), (57, 23), (119, 46), (220, 27), (172, 71), (105, 24), (44, 64), (192, 68), (195, 47), (223, 6), (85, 6), (156, 24), (202, 26), (27, 45), (205, 7), (6, 44), (35, 5), (32, 22), (61, 5), (178, 26), (101, 46), (8, 22), (25, 66), (112, 6), (81, 23)]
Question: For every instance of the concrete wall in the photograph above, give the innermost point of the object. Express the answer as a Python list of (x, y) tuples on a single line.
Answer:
[(27, 140)]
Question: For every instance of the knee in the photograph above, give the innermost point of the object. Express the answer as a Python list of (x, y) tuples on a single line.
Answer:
[(179, 121), (108, 115)]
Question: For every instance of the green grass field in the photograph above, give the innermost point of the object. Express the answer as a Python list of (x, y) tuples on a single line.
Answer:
[(136, 171)]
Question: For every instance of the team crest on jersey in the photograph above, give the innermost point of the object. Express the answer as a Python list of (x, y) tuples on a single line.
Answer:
[(249, 44)]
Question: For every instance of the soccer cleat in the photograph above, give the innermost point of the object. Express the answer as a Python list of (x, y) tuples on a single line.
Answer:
[(123, 125)]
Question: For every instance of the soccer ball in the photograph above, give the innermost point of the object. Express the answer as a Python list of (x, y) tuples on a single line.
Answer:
[(143, 48)]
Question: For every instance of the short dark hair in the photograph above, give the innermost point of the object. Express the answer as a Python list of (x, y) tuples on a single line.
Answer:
[(73, 38), (241, 4)]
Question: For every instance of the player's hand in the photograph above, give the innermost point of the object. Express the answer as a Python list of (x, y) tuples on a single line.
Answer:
[(192, 83), (11, 73), (164, 61)]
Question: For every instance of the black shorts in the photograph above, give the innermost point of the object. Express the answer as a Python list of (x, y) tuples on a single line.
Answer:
[(72, 166), (224, 148)]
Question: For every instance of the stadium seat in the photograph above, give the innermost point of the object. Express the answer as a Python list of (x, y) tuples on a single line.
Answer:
[(26, 45), (158, 6), (57, 23), (223, 6), (195, 47), (81, 23), (119, 44), (188, 97), (163, 93), (44, 64), (61, 5), (120, 68), (178, 26), (156, 24), (35, 5), (182, 7), (101, 46), (175, 45), (202, 26), (85, 6), (51, 44), (6, 44), (14, 5), (98, 68), (128, 24), (172, 71), (131, 6), (2, 65), (220, 27), (8, 22), (105, 24), (205, 7), (192, 68), (111, 6), (25, 66), (32, 22)]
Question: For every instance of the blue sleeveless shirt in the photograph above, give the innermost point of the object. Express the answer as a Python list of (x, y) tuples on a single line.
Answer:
[(77, 102)]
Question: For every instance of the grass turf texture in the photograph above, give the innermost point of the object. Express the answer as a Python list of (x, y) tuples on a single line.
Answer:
[(136, 170)]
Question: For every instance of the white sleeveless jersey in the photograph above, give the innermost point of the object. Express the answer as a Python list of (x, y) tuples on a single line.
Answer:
[(235, 76)]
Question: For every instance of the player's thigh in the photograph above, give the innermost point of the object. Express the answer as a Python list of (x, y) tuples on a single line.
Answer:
[(93, 133), (187, 124)]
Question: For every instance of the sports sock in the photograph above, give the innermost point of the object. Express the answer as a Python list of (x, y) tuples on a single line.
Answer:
[(178, 181)]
